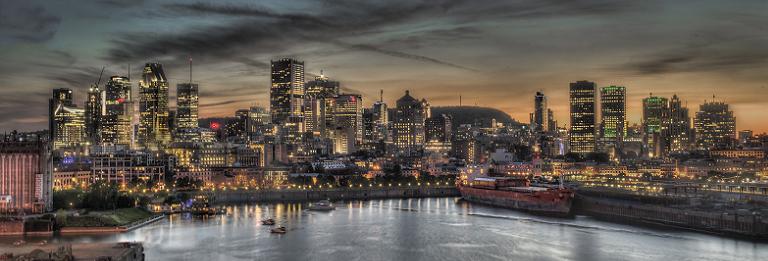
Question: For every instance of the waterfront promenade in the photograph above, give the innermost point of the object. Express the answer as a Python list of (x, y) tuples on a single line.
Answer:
[(333, 194)]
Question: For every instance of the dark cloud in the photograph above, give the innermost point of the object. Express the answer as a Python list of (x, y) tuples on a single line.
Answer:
[(221, 103), (726, 55), (24, 21), (264, 32), (121, 3)]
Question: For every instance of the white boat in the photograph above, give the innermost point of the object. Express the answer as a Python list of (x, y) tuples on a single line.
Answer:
[(322, 205)]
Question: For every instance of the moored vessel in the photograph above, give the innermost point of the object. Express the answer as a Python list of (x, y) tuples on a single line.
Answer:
[(517, 193)]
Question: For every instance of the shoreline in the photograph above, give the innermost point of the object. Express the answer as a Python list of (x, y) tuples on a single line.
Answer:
[(363, 193), (110, 229)]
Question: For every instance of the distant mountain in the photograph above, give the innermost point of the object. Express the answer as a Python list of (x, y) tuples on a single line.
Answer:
[(461, 115), (472, 114)]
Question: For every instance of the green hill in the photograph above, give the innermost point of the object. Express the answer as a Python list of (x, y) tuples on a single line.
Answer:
[(473, 114)]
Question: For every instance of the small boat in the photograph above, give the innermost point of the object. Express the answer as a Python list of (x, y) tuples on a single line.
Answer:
[(42, 243), (322, 205), (20, 242), (268, 222), (279, 230)]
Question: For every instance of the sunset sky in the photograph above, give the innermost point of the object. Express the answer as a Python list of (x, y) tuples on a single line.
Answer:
[(492, 53)]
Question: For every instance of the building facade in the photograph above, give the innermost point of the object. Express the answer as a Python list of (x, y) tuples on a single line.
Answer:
[(153, 130), (583, 116)]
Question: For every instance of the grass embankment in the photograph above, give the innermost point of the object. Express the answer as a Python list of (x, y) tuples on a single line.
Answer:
[(118, 217)]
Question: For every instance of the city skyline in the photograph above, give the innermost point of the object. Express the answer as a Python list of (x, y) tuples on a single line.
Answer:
[(694, 59)]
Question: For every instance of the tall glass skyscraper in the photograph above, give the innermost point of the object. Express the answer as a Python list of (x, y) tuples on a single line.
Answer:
[(655, 113), (286, 94), (540, 113), (187, 103), (613, 113), (583, 109), (677, 127), (116, 126), (153, 107), (715, 126)]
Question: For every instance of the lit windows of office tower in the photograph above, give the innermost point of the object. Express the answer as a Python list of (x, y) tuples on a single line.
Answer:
[(153, 107), (408, 132), (655, 113), (286, 92), (582, 103), (540, 113), (677, 127), (613, 113), (715, 126), (116, 126)]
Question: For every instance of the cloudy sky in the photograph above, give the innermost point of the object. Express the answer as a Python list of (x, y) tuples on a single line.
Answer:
[(492, 53)]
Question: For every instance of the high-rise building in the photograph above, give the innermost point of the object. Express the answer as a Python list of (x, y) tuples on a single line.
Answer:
[(655, 113), (677, 127), (438, 129), (116, 126), (715, 126), (380, 115), (286, 93), (348, 114), (258, 124), (153, 107), (187, 104), (408, 132), (613, 108), (94, 110), (613, 113), (319, 97), (61, 96), (25, 177), (67, 122), (540, 113), (583, 116)]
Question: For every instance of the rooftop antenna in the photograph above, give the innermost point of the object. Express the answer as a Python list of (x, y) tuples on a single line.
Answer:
[(381, 95), (190, 70), (100, 74), (459, 100), (129, 71)]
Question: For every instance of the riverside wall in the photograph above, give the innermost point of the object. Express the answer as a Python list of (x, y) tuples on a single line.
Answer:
[(287, 195), (733, 223)]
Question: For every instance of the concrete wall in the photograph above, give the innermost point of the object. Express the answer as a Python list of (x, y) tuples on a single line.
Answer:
[(243, 196), (739, 224)]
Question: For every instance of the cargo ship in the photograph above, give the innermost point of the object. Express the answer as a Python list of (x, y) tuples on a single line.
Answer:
[(517, 193)]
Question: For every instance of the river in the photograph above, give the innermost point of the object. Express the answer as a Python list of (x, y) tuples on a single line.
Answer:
[(417, 229)]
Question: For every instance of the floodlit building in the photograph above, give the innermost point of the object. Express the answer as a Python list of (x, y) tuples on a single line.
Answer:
[(583, 116)]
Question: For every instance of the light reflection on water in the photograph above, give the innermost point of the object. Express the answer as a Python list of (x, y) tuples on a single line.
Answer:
[(416, 229)]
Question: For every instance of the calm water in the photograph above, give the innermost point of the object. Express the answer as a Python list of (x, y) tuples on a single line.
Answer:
[(417, 229)]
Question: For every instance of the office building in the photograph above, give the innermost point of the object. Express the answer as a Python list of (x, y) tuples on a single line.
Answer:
[(583, 116), (153, 130), (715, 126)]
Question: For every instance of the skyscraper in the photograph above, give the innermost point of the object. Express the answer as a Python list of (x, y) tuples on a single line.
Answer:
[(677, 127), (67, 122), (61, 96), (438, 128), (540, 113), (380, 115), (613, 112), (187, 103), (408, 131), (655, 113), (348, 114), (153, 107), (286, 93), (318, 107), (583, 118), (116, 126), (715, 126), (94, 108)]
